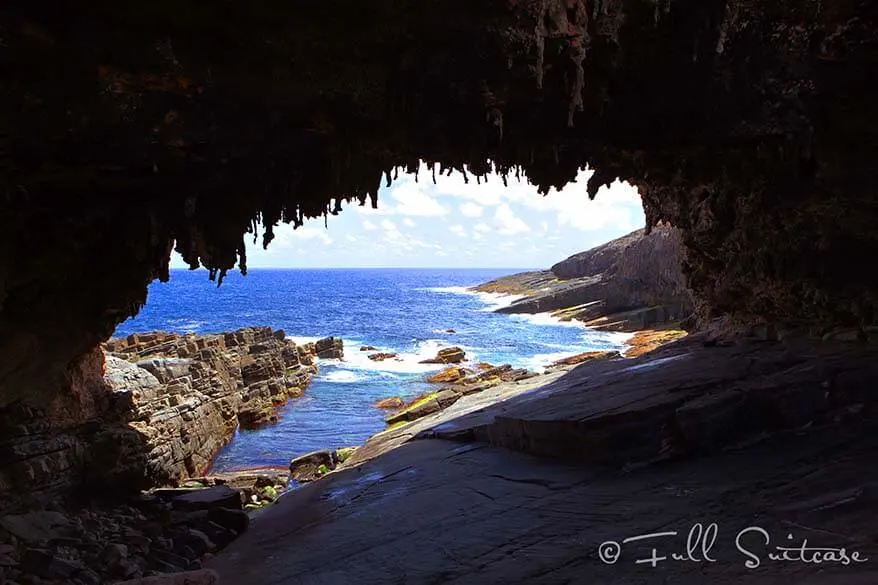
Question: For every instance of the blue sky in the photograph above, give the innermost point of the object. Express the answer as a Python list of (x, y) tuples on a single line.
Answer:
[(454, 224)]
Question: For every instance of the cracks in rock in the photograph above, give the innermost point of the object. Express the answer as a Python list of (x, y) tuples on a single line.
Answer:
[(530, 481), (481, 493)]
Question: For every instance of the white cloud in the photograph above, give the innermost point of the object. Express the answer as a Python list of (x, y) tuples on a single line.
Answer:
[(510, 224), (617, 206), (470, 209), (413, 200), (311, 233), (501, 225)]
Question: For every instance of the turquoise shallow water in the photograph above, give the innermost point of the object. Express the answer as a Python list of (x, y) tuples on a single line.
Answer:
[(405, 311)]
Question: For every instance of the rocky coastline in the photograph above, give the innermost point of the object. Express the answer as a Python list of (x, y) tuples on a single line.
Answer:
[(632, 283), (186, 394), (177, 400), (181, 397)]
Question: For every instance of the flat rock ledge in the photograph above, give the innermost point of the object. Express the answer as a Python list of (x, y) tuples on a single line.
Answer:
[(528, 480)]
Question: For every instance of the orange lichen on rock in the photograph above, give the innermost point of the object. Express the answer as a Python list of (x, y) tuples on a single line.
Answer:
[(452, 374), (588, 356), (645, 341)]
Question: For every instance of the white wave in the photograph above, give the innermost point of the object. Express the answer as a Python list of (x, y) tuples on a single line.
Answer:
[(617, 338), (493, 301), (541, 361), (406, 362), (187, 325), (343, 377), (547, 319)]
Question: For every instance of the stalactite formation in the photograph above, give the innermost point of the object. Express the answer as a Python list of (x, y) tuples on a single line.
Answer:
[(126, 131)]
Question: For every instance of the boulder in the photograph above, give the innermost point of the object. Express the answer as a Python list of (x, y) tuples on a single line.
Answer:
[(452, 374), (368, 348), (345, 453), (230, 518), (35, 526), (393, 403), (329, 348), (381, 356), (307, 467), (496, 372), (220, 496), (449, 355)]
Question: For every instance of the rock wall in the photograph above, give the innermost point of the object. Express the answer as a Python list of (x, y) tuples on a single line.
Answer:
[(156, 409), (627, 284)]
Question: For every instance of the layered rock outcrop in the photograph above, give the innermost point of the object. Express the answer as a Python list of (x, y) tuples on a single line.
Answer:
[(156, 409), (190, 392), (628, 284)]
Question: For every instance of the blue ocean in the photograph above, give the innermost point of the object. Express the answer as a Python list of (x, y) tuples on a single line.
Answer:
[(407, 311)]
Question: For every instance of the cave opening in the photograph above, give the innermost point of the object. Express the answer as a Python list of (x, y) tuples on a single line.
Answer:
[(395, 284), (128, 132)]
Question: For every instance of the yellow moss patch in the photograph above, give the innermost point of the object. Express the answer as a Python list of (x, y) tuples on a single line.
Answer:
[(420, 400)]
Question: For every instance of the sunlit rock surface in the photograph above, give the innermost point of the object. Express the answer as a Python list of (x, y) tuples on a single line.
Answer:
[(628, 284)]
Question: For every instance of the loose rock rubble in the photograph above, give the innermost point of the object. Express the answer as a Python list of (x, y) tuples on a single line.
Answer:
[(163, 532)]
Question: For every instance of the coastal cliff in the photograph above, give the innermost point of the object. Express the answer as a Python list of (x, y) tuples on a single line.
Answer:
[(152, 409), (188, 393), (629, 284)]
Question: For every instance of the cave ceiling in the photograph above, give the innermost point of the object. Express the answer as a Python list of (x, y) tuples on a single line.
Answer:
[(129, 129)]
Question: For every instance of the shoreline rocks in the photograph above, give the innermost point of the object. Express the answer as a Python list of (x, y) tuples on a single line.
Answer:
[(456, 382), (631, 283), (382, 356), (184, 395), (392, 403), (448, 355), (312, 466)]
